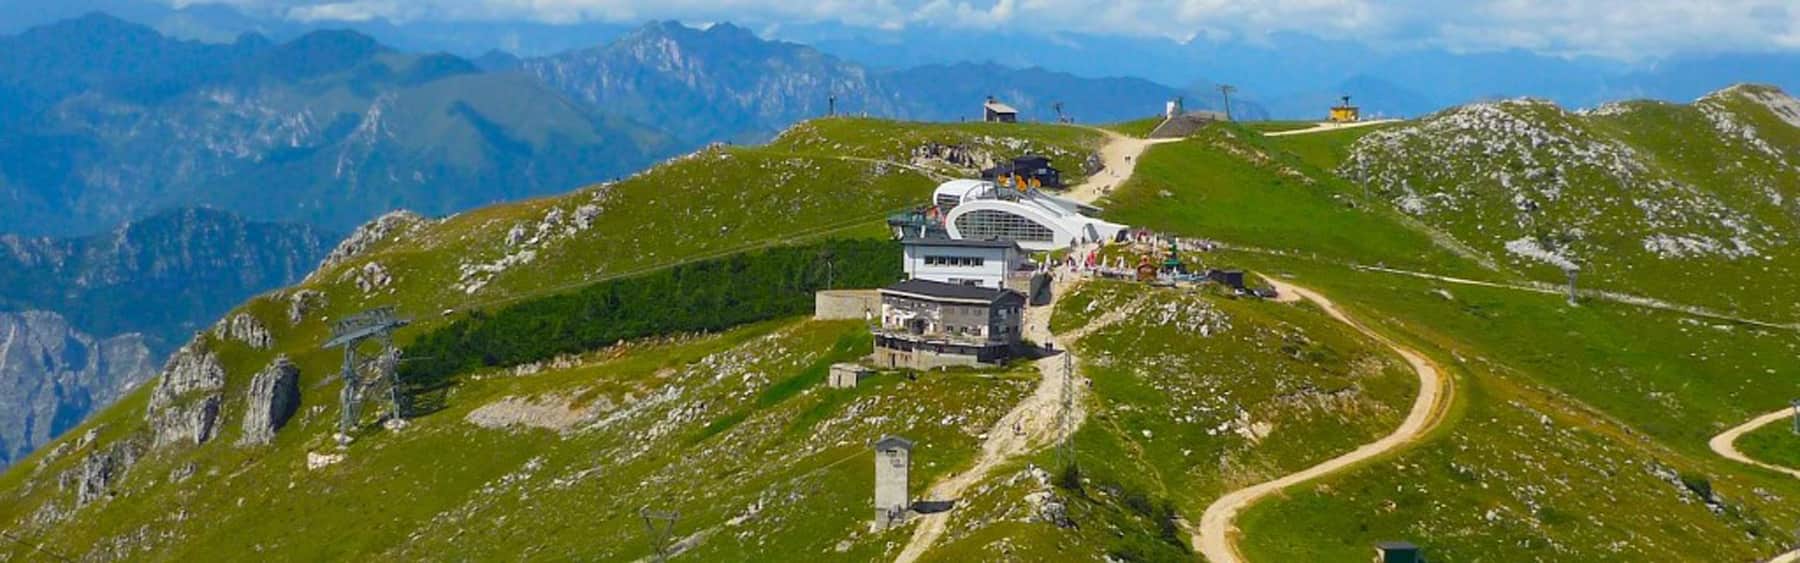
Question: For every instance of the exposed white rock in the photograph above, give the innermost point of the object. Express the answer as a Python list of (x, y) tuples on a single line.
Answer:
[(387, 226), (302, 303), (316, 460), (272, 399), (244, 328), (192, 368)]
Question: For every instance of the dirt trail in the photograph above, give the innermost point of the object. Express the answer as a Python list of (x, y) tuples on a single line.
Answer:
[(1789, 557), (1323, 127), (1215, 538), (1724, 445), (1030, 425), (1120, 155)]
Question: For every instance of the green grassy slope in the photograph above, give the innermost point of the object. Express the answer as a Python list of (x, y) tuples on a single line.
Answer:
[(1193, 395), (1569, 416), (1231, 185), (1775, 443), (712, 203), (1630, 395), (1689, 203)]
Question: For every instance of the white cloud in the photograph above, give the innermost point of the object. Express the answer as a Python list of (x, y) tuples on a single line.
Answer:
[(1626, 29)]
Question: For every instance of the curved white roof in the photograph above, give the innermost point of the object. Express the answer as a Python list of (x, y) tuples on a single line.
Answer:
[(1062, 217), (963, 190)]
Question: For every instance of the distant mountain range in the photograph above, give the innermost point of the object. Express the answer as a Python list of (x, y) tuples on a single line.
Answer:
[(96, 315), (725, 83), (109, 121), (1285, 75)]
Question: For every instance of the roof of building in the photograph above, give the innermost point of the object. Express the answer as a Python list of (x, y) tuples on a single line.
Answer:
[(891, 441), (941, 290), (1397, 546), (998, 107), (960, 243)]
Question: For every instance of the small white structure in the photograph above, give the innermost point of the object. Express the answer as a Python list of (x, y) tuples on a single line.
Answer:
[(982, 210), (893, 460), (981, 263), (994, 111), (846, 376)]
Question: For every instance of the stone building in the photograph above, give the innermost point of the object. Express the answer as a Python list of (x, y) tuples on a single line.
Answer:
[(928, 324), (893, 462)]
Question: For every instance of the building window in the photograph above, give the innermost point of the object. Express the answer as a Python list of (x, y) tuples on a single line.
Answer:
[(990, 223), (967, 261)]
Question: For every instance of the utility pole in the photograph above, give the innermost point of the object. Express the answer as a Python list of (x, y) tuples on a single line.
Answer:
[(1797, 416), (1571, 271), (831, 106), (1225, 91), (660, 525), (1065, 451)]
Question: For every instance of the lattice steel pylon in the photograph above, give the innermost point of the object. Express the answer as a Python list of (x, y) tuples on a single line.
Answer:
[(660, 525), (350, 333)]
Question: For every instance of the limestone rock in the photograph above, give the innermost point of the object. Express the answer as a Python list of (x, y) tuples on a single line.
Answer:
[(367, 236), (273, 398), (195, 422), (193, 368), (93, 477), (246, 329), (304, 302)]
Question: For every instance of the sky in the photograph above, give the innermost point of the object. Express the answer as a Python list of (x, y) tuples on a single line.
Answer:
[(1628, 30)]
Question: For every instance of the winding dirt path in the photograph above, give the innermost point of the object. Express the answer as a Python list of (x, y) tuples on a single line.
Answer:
[(1120, 157), (1324, 127), (1215, 537), (1725, 445), (1030, 425)]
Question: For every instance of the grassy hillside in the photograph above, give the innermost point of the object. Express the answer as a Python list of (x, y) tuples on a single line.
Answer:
[(1565, 414), (1689, 203), (1234, 186), (1194, 394), (1569, 414), (1775, 443), (674, 393)]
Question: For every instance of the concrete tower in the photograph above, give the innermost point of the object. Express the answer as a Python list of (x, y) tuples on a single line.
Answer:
[(893, 460)]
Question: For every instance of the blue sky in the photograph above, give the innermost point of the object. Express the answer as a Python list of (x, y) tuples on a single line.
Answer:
[(1618, 29)]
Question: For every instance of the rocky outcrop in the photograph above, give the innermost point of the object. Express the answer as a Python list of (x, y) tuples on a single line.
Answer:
[(193, 368), (273, 398), (372, 233), (175, 415), (93, 478), (302, 303), (193, 423), (52, 376), (246, 329)]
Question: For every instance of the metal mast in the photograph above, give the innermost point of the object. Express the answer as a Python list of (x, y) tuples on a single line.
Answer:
[(350, 333)]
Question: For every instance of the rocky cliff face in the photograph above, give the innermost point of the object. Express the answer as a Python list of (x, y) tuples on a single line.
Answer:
[(52, 376), (273, 397)]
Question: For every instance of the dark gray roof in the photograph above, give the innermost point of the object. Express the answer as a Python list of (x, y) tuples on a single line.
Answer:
[(964, 243), (1397, 546), (892, 441), (943, 290)]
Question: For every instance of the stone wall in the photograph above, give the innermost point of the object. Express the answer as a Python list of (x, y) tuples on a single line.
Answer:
[(842, 304)]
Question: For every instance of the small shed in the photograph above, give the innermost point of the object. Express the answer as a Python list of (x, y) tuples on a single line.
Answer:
[(847, 375), (996, 112), (1397, 552)]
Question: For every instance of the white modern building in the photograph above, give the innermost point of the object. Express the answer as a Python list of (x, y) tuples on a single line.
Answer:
[(982, 210), (981, 263)]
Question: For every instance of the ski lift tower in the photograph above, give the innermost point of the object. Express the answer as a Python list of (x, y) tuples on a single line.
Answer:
[(377, 325)]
